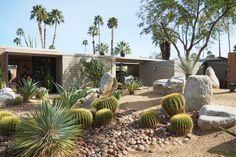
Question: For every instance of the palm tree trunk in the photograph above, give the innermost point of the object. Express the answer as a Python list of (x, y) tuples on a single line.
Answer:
[(219, 44), (26, 41), (40, 33), (99, 39), (44, 40), (229, 35), (112, 40), (54, 36), (165, 50), (93, 42)]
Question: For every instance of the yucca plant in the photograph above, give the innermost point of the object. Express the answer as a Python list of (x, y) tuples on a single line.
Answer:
[(181, 124), (8, 125), (83, 117), (109, 102), (173, 104), (149, 119), (41, 92), (186, 67), (132, 86), (27, 89), (103, 116), (50, 132)]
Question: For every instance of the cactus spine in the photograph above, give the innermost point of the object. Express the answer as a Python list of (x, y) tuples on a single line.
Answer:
[(149, 119), (103, 116), (106, 102), (83, 117)]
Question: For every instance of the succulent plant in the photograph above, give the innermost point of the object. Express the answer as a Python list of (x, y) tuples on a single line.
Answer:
[(106, 102), (116, 94), (149, 119), (132, 86), (181, 124), (103, 116), (41, 92), (18, 100), (27, 89), (173, 104), (5, 113), (8, 125), (83, 116)]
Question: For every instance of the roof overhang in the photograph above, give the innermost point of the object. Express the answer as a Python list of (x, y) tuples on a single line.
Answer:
[(134, 60)]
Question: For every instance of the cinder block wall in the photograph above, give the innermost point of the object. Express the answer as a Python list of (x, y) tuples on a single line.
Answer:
[(71, 68)]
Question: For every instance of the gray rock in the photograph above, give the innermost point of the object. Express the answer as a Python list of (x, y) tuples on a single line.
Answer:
[(197, 92), (214, 80), (6, 94), (108, 84), (210, 116), (168, 86)]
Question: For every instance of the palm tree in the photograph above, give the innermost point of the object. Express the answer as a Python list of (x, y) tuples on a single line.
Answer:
[(17, 41), (85, 43), (20, 32), (93, 31), (112, 23), (122, 48), (46, 21), (55, 17), (98, 21), (102, 48), (37, 13)]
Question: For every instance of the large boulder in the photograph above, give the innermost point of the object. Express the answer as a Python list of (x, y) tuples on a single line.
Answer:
[(212, 116), (108, 84), (211, 74), (168, 86), (197, 92), (6, 94)]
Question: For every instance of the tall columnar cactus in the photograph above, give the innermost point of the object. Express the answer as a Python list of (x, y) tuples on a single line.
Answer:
[(106, 102), (83, 117), (149, 119), (8, 125), (173, 104), (103, 116), (181, 124)]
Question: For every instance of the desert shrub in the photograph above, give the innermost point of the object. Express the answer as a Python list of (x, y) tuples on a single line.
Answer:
[(149, 119), (173, 104), (50, 132), (132, 86), (83, 117), (27, 89), (41, 92), (106, 102), (181, 124), (18, 100), (8, 125), (103, 116)]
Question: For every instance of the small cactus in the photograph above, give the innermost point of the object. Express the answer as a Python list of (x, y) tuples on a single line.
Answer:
[(41, 92), (149, 119), (83, 117), (181, 124), (5, 113), (106, 102), (120, 85), (18, 100), (8, 125), (173, 104), (103, 116)]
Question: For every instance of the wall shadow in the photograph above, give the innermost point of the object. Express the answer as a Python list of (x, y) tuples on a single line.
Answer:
[(223, 148)]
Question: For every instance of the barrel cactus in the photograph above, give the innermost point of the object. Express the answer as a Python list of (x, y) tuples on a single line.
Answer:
[(5, 113), (106, 102), (83, 117), (173, 104), (103, 116), (149, 119), (41, 92), (8, 125), (18, 100), (181, 124)]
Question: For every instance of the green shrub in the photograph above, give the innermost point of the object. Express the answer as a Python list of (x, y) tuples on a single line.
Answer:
[(27, 89), (132, 86), (149, 119), (18, 100), (8, 125), (50, 132), (41, 92), (173, 104), (83, 117), (181, 124), (106, 102), (117, 95), (103, 116)]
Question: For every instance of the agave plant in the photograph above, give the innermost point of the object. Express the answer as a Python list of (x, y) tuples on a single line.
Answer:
[(50, 132), (132, 86), (27, 88), (186, 67)]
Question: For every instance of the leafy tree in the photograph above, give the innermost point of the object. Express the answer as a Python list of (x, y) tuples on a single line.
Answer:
[(156, 55), (210, 55), (102, 48), (193, 56), (112, 23), (98, 21), (186, 22), (122, 48), (20, 32), (85, 43), (93, 31), (17, 41), (55, 18)]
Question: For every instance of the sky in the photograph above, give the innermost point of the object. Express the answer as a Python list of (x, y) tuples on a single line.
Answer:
[(79, 15)]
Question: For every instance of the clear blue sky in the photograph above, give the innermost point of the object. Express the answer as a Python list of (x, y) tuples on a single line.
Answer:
[(79, 15)]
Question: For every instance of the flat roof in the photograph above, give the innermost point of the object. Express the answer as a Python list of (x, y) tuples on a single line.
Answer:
[(135, 60)]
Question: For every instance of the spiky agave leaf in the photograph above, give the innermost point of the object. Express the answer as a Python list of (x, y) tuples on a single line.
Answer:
[(49, 133), (27, 89)]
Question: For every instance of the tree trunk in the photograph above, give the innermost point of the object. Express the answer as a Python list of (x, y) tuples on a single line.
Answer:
[(26, 41), (219, 44), (165, 50), (229, 35), (40, 33), (99, 34), (54, 36), (44, 40), (93, 42), (112, 40)]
